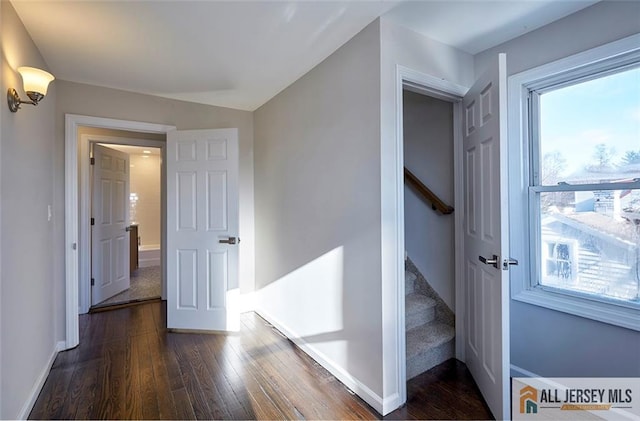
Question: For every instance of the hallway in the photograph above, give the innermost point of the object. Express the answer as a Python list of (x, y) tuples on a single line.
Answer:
[(128, 366)]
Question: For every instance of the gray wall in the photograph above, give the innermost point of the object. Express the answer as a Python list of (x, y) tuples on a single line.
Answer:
[(317, 174), (428, 153), (543, 341), (599, 24), (28, 332)]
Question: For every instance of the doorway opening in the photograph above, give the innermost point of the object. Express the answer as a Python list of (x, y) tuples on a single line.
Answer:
[(480, 228), (77, 293), (143, 209), (92, 273), (418, 92), (429, 230)]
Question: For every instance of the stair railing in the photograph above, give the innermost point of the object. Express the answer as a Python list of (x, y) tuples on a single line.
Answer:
[(436, 203)]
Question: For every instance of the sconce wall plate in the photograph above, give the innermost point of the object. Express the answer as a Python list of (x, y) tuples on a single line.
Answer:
[(13, 99)]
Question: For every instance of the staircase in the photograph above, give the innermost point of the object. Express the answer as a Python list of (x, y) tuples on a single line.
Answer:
[(428, 323)]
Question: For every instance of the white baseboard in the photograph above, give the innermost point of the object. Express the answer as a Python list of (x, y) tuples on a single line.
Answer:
[(521, 372), (149, 255), (37, 387), (390, 404), (145, 263), (368, 395)]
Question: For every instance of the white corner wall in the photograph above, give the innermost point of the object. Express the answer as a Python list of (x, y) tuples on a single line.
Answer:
[(428, 153), (543, 341), (317, 181), (29, 305), (146, 182), (402, 47)]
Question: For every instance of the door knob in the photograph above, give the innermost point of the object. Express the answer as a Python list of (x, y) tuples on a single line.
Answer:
[(492, 261), (230, 240)]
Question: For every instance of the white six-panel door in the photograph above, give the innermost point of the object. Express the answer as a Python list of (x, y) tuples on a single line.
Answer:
[(486, 236), (202, 223), (109, 236)]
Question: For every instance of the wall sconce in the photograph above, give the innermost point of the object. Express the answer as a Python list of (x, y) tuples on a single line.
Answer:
[(35, 82)]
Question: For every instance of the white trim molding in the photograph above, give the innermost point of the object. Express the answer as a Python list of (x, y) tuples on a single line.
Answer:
[(84, 208), (39, 384), (393, 241), (604, 312), (430, 85), (517, 371), (72, 123)]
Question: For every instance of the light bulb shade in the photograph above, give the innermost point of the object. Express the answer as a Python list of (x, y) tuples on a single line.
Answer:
[(35, 80)]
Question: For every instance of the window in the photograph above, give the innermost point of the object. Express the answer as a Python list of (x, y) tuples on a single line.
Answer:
[(578, 156)]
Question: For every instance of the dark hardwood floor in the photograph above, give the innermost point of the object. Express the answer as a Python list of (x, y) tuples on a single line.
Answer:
[(128, 366), (446, 392)]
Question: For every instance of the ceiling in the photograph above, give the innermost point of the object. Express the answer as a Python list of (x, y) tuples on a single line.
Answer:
[(481, 24), (240, 54)]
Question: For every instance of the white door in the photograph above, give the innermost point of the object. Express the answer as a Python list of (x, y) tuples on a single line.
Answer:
[(486, 237), (202, 230), (109, 235)]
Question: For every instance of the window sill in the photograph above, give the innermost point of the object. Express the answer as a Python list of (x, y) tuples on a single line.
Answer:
[(613, 314)]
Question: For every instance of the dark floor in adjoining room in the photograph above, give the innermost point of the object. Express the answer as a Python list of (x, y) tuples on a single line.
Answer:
[(128, 366)]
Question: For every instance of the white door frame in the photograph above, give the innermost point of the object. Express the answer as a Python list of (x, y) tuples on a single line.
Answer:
[(72, 261), (84, 188), (441, 89)]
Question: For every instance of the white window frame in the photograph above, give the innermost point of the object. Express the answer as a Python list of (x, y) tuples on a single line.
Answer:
[(524, 286)]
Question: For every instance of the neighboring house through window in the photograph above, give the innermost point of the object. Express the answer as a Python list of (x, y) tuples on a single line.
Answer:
[(558, 261), (575, 148)]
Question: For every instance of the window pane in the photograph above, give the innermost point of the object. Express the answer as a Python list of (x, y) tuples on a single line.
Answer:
[(590, 242), (590, 131)]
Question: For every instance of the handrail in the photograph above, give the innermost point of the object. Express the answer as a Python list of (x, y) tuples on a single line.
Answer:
[(436, 203)]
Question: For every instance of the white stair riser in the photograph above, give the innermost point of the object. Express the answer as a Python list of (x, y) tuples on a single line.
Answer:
[(420, 316), (426, 360)]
